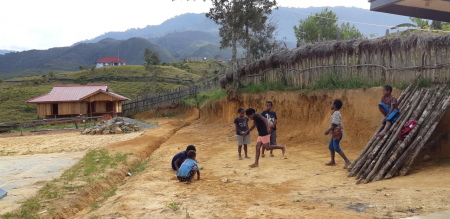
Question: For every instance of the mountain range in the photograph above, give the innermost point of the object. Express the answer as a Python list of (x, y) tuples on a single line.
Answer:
[(187, 35)]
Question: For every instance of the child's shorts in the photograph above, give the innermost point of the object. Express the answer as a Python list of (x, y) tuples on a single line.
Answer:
[(391, 117), (334, 144), (264, 139), (243, 140), (188, 177)]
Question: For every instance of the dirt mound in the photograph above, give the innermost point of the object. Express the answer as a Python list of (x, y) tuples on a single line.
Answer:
[(300, 186)]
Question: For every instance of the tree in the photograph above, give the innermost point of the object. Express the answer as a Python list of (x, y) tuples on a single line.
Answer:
[(416, 23), (239, 19), (262, 42), (51, 75), (151, 58), (319, 25), (349, 31)]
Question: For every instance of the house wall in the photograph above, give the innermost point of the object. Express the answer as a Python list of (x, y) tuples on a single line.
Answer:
[(100, 107), (44, 109), (72, 108), (100, 97), (118, 107), (103, 64)]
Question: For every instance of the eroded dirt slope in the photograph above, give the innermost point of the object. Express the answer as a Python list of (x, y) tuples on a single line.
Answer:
[(297, 187)]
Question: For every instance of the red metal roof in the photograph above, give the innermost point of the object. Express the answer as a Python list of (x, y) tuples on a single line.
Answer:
[(110, 59), (73, 93)]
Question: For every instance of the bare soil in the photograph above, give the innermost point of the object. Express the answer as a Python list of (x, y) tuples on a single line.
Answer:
[(298, 185)]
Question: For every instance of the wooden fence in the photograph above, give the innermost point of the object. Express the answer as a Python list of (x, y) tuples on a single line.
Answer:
[(388, 60), (144, 103)]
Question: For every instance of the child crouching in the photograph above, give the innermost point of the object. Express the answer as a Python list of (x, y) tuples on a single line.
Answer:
[(188, 169)]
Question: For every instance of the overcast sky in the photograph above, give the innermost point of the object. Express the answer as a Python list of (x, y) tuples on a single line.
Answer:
[(42, 24)]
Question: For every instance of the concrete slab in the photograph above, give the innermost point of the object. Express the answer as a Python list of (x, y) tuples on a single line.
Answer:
[(23, 175)]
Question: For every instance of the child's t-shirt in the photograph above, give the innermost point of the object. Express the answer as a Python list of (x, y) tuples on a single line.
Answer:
[(242, 124), (181, 157), (336, 118), (260, 125), (390, 102), (271, 116), (186, 167)]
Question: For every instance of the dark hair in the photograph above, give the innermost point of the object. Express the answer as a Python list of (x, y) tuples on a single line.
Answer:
[(249, 111), (191, 148), (337, 103), (191, 154), (388, 88), (241, 110), (270, 103)]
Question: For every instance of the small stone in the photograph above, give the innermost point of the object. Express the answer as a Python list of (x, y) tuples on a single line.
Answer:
[(117, 130)]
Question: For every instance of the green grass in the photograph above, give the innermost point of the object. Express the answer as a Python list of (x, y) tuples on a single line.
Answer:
[(203, 98), (13, 95), (140, 167), (265, 86), (334, 82), (174, 206)]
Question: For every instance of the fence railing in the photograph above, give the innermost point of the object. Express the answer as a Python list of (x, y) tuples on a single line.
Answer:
[(145, 103), (388, 60)]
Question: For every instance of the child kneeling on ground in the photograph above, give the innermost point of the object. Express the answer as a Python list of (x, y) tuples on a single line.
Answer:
[(188, 169)]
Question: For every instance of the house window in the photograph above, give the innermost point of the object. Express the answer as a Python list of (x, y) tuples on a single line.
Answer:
[(55, 109), (109, 106)]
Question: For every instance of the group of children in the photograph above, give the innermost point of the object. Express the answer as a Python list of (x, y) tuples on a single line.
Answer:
[(266, 124)]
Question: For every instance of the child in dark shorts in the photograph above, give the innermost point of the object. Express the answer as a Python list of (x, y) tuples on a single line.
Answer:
[(188, 169), (272, 119)]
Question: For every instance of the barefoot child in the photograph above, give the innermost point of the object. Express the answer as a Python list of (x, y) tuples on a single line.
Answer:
[(179, 158), (389, 108), (263, 134), (271, 117), (188, 169), (335, 129), (243, 137)]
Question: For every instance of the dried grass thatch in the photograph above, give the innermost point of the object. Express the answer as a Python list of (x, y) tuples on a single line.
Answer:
[(337, 50)]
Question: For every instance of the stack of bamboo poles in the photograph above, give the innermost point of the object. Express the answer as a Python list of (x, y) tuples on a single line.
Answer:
[(388, 156)]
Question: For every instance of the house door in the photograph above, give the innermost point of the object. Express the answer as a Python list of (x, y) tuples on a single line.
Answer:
[(55, 109), (109, 106)]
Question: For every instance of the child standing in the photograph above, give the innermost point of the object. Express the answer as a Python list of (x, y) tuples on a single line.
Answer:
[(188, 169), (335, 129), (243, 137), (263, 134), (389, 108), (271, 117)]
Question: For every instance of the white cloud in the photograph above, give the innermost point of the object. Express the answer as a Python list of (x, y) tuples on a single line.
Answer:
[(30, 24)]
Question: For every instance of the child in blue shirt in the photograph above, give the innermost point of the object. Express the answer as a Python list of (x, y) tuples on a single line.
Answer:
[(188, 169)]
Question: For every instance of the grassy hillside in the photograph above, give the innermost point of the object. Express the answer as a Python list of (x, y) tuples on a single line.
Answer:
[(13, 95), (34, 62)]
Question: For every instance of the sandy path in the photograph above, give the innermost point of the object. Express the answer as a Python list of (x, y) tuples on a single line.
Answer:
[(297, 187), (53, 142)]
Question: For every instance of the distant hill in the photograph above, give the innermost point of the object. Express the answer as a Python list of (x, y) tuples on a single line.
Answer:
[(284, 17), (187, 35), (5, 51), (83, 54)]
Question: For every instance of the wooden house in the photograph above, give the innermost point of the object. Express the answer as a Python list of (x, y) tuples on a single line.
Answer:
[(109, 61), (73, 100)]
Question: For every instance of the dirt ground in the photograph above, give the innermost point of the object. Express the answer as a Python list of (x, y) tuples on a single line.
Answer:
[(295, 186)]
